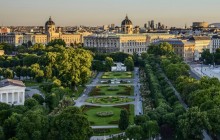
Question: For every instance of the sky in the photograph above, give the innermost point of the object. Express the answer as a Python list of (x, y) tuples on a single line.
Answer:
[(104, 12)]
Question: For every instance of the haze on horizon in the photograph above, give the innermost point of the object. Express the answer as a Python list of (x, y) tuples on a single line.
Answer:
[(105, 12)]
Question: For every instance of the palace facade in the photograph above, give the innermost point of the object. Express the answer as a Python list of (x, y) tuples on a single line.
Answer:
[(129, 40), (50, 33)]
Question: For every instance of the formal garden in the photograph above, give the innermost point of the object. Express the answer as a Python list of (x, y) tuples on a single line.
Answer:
[(117, 75), (125, 90), (103, 116), (109, 100)]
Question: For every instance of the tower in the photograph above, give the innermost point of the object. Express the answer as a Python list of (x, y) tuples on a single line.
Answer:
[(49, 29), (127, 26)]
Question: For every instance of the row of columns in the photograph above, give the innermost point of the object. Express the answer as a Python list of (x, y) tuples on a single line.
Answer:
[(19, 95)]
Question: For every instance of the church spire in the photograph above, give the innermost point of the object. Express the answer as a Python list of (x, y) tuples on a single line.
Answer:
[(126, 16)]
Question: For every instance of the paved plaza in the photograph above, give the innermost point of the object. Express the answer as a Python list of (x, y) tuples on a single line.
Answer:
[(205, 70)]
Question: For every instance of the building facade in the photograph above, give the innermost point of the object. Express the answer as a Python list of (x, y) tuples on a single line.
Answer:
[(183, 48), (50, 33), (12, 92), (215, 43), (201, 43), (128, 40)]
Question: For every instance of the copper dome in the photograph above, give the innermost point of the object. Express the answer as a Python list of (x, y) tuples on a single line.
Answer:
[(50, 22)]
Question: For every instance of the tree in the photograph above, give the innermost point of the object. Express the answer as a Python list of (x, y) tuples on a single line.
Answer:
[(192, 123), (124, 120), (98, 65), (214, 120), (2, 137), (38, 98), (48, 72), (150, 129), (8, 74), (70, 124), (8, 49), (59, 42), (34, 125), (141, 119), (30, 103), (30, 59), (18, 70), (10, 125), (108, 63), (161, 49), (207, 57), (37, 73), (134, 132), (129, 63)]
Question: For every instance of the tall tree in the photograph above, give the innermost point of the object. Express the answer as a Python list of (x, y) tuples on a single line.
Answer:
[(8, 73), (129, 63), (124, 120), (192, 123), (134, 132), (70, 124), (108, 63)]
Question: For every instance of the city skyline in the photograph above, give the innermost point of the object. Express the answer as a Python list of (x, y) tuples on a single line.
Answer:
[(105, 12)]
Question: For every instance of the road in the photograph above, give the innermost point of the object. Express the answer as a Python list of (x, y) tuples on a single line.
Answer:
[(105, 137), (137, 94), (80, 101)]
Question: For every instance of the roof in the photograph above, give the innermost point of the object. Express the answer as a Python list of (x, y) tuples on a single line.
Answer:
[(127, 21), (175, 42), (200, 38), (50, 22), (215, 37), (7, 82)]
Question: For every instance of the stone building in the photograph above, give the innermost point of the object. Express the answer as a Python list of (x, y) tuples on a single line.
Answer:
[(201, 43), (12, 92), (215, 43), (128, 39), (183, 48), (50, 33)]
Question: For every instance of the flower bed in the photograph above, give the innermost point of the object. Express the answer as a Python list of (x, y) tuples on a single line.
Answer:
[(105, 114)]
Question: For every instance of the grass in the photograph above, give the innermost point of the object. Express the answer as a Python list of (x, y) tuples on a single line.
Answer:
[(79, 92), (112, 120), (109, 100), (112, 90), (107, 131), (117, 75), (31, 83)]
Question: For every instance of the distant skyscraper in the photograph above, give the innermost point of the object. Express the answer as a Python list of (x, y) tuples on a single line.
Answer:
[(152, 24), (113, 26)]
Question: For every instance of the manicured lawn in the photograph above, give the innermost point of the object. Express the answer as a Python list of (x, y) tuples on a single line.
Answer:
[(117, 75), (112, 120), (110, 131), (108, 100), (112, 90)]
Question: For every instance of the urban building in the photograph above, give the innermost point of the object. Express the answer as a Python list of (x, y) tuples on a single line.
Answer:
[(127, 40), (215, 43), (4, 30), (183, 48), (50, 33), (201, 43), (12, 92), (200, 25)]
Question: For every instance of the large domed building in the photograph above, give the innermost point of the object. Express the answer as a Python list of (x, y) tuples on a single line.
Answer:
[(127, 26), (50, 33), (125, 39)]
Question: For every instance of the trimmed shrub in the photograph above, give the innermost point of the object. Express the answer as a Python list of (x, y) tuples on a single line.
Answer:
[(105, 114)]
